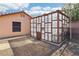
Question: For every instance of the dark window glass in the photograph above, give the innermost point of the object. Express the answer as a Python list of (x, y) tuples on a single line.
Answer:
[(16, 26)]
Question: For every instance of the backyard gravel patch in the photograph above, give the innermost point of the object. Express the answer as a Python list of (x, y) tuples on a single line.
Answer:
[(30, 47), (27, 46)]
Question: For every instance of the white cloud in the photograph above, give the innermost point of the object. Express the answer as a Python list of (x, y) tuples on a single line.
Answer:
[(18, 5), (22, 5), (13, 6), (36, 8), (57, 8), (35, 11), (3, 9), (46, 8)]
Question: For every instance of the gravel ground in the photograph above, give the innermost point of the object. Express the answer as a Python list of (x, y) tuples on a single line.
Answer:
[(27, 46), (30, 47), (71, 50)]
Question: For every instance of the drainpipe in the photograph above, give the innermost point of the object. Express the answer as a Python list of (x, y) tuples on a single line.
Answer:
[(70, 26)]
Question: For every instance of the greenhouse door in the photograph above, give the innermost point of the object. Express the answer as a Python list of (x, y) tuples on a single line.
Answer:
[(38, 35), (38, 32)]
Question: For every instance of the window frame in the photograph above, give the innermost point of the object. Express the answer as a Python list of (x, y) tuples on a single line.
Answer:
[(16, 26)]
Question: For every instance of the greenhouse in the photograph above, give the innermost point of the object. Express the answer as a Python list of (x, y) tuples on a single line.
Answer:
[(49, 27)]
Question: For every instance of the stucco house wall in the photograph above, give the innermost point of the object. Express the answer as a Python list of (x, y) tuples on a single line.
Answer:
[(6, 24)]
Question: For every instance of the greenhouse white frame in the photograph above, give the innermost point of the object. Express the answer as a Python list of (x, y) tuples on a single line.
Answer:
[(49, 26)]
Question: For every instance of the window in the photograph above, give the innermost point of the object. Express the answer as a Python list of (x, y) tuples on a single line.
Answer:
[(16, 26)]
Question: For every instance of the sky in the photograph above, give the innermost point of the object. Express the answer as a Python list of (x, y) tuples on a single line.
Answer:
[(33, 9)]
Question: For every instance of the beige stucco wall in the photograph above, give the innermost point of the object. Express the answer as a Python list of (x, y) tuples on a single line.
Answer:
[(6, 24)]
